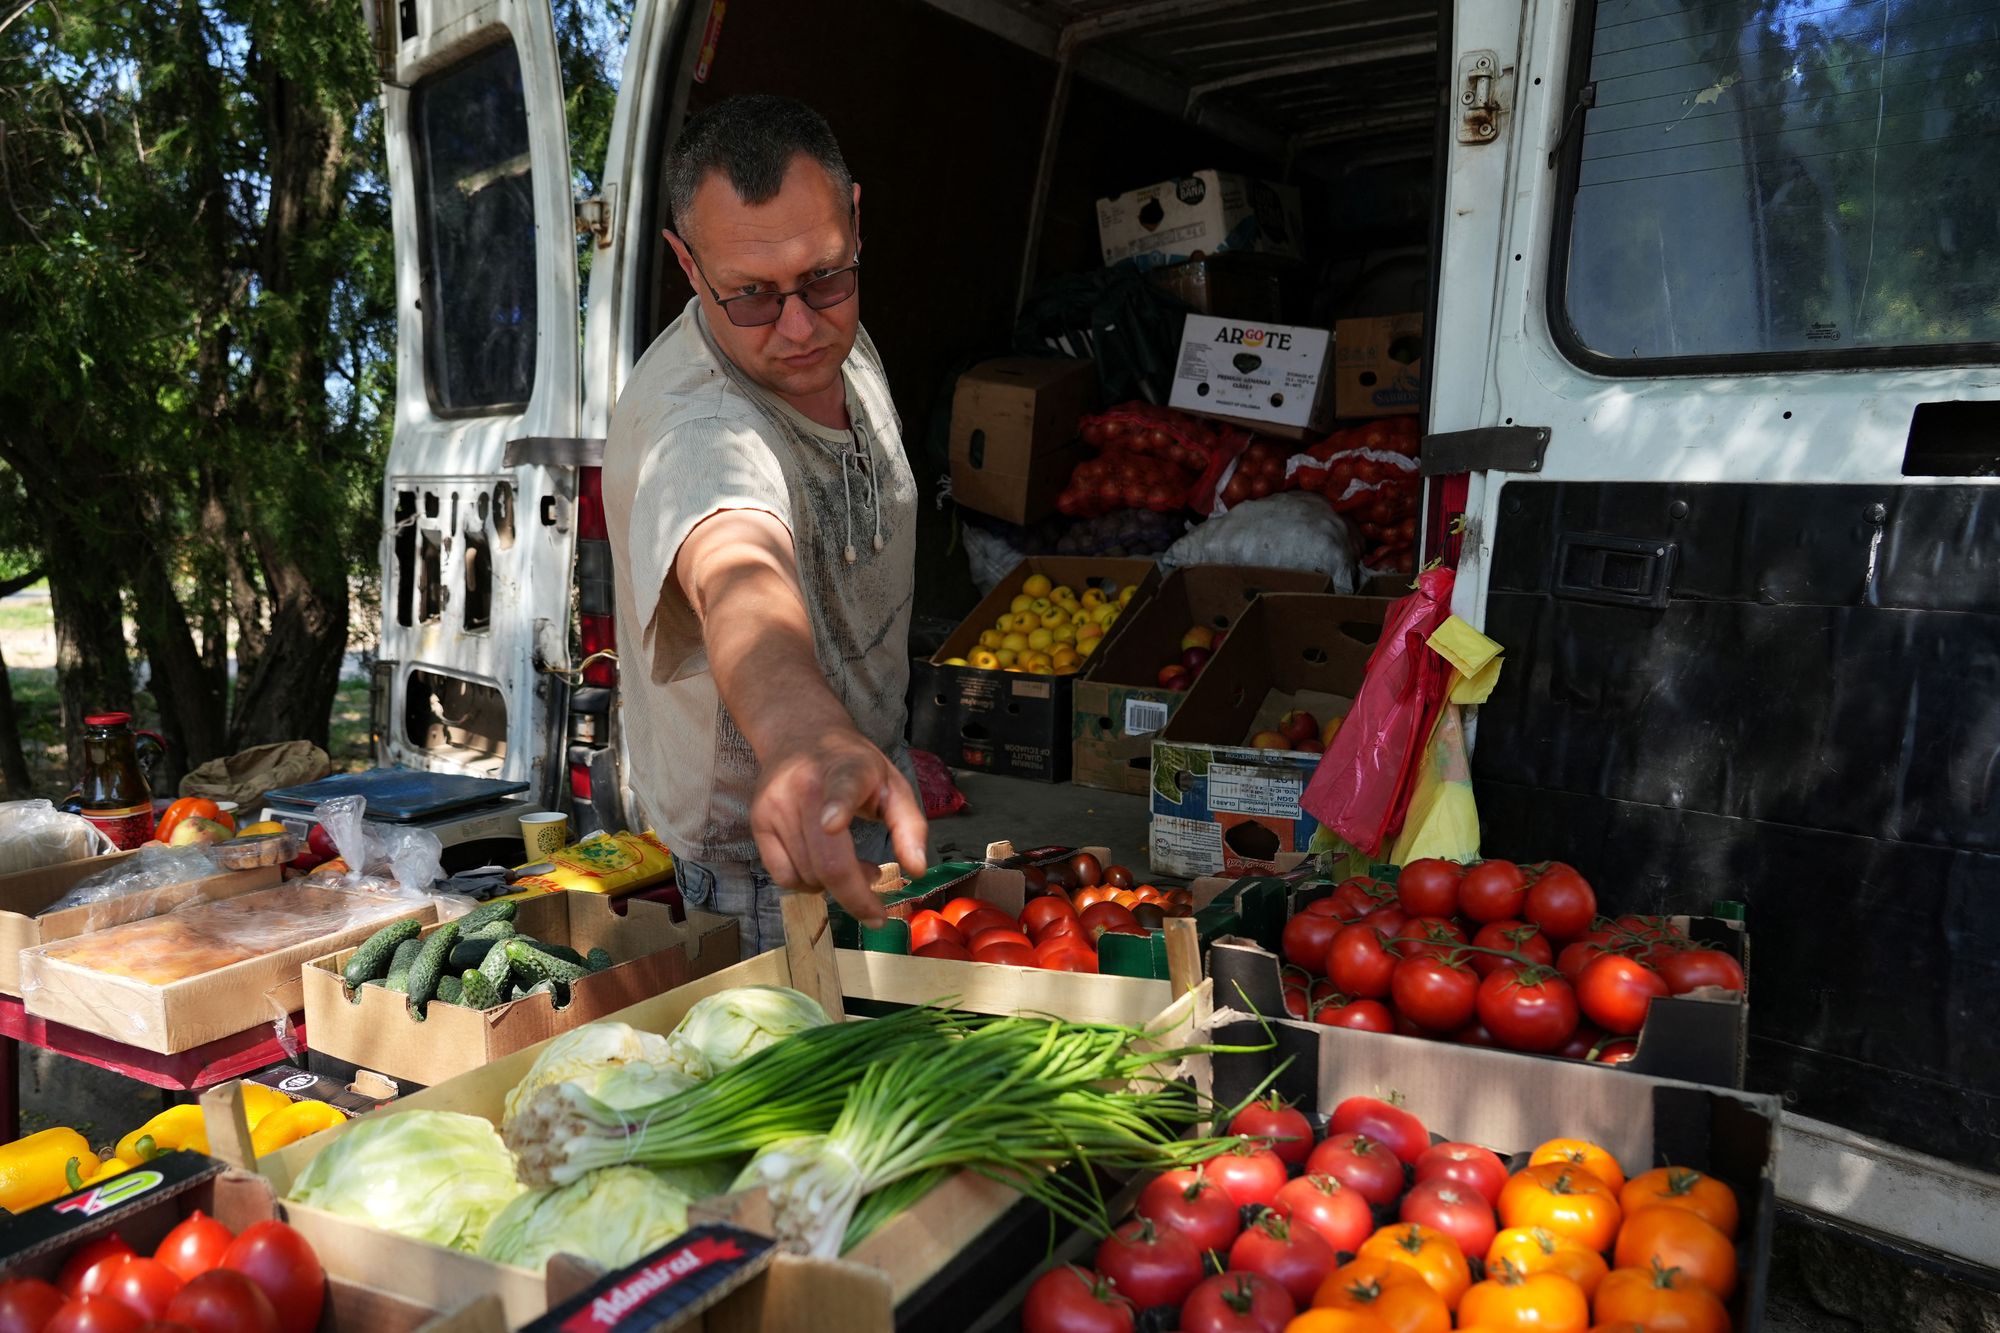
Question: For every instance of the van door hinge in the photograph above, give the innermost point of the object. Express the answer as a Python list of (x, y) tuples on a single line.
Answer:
[(1488, 449), (595, 215), (1480, 91)]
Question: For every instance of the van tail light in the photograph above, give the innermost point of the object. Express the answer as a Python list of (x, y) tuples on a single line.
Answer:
[(580, 785), (593, 781), (598, 634), (590, 506)]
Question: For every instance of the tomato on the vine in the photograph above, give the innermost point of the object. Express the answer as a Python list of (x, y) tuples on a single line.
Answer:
[(1510, 937), (1293, 1255), (1360, 962), (1150, 1265), (1581, 1042), (1389, 920), (1533, 1010), (1355, 1015), (1073, 1300), (1620, 1052), (1357, 897), (1688, 969), (1465, 1164), (1614, 992), (1237, 1303), (1492, 891), (1280, 1123), (1306, 940), (1435, 995), (1459, 1211), (1194, 1205), (1364, 1165), (1561, 902), (1429, 937), (1248, 1173), (1339, 1214), (1429, 887), (1576, 956), (1384, 1122)]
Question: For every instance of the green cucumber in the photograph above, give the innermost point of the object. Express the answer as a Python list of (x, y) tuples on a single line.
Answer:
[(371, 960), (598, 959), (429, 967), (485, 912), (399, 966), (450, 989), (562, 951), (532, 965), (468, 953), (496, 969), (478, 992), (492, 930)]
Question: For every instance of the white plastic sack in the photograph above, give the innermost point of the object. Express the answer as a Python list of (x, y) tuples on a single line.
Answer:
[(34, 834), (1292, 530)]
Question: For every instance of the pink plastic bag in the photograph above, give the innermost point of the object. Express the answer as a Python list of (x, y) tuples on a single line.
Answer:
[(1361, 789), (939, 794)]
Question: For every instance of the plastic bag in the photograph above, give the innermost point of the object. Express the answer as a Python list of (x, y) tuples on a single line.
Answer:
[(1279, 532), (1362, 786), (409, 858), (153, 866), (1152, 458), (940, 795), (606, 863), (34, 834), (1443, 818)]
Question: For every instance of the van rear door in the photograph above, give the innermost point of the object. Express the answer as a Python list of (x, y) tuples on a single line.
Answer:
[(478, 500)]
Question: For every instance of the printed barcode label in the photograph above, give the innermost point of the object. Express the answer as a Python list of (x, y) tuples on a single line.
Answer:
[(1144, 716), (1246, 789)]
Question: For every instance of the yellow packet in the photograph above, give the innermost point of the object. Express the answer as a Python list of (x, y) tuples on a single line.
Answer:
[(611, 863)]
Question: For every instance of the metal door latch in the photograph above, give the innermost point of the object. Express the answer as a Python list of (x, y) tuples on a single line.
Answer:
[(594, 216), (1479, 101)]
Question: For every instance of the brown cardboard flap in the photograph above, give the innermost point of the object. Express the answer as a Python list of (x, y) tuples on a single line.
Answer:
[(1215, 597), (1308, 649)]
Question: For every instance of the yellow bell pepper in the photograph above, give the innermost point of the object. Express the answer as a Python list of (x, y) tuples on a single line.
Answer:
[(109, 1167), (175, 1127), (260, 1101), (295, 1122), (35, 1170)]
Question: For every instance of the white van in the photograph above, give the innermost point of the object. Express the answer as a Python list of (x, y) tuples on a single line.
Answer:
[(1714, 321)]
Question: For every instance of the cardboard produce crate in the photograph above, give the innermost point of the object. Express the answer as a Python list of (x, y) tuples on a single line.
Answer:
[(1011, 723), (1274, 378), (1221, 806), (145, 1203), (1378, 366), (1205, 213), (371, 1027), (177, 1015), (26, 893), (1231, 286), (1118, 704), (1013, 433)]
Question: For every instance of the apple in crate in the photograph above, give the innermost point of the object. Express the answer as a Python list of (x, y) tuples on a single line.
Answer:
[(1299, 725), (1174, 676), (1269, 740), (1199, 636), (1194, 659)]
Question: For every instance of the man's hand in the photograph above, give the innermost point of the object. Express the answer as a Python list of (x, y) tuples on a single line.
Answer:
[(809, 795)]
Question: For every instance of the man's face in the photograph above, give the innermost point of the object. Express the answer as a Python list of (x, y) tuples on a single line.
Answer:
[(806, 230)]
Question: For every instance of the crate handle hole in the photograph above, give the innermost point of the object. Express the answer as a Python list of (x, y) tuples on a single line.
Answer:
[(1314, 655)]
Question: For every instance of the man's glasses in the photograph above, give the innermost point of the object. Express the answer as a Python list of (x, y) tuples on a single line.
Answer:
[(759, 308)]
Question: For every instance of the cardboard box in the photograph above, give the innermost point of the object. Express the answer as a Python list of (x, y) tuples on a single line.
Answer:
[(1118, 703), (1378, 366), (371, 1027), (357, 1096), (1273, 378), (1221, 806), (1010, 723), (144, 1204), (1236, 286), (207, 1006), (1013, 433), (1511, 1104), (1207, 213), (28, 892)]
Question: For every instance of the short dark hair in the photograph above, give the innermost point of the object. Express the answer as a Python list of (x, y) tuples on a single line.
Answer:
[(751, 139)]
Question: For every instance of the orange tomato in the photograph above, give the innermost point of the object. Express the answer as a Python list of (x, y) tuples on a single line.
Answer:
[(1623, 1326), (1660, 1300), (1126, 898), (1581, 1152), (1090, 897), (1394, 1293), (1539, 1250), (1564, 1199), (186, 808), (1676, 1238), (1337, 1321), (1434, 1255), (1541, 1302), (1682, 1187)]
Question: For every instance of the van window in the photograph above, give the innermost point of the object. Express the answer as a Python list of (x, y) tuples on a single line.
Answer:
[(1803, 181), (478, 234)]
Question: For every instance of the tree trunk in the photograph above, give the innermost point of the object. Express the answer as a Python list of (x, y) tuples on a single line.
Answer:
[(93, 669), (290, 694), (15, 779), (192, 711)]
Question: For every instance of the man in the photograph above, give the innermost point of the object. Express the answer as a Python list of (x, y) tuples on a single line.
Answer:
[(763, 523)]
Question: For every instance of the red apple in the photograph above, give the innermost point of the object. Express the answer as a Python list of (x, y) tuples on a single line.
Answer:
[(1299, 725), (1269, 740), (1310, 745), (1175, 677), (1194, 659)]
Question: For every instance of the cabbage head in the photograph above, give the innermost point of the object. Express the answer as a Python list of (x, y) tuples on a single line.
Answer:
[(729, 1027), (596, 1054), (613, 1216), (429, 1175)]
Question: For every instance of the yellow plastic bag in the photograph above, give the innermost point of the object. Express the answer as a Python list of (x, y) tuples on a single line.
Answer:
[(1443, 819), (605, 863)]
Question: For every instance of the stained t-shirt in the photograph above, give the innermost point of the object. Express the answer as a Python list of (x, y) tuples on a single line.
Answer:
[(691, 437)]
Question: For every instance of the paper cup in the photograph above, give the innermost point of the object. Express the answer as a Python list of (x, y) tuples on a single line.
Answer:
[(544, 834)]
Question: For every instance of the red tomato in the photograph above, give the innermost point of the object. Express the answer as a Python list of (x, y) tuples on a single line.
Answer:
[(1248, 1173), (1151, 1265), (27, 1304), (83, 1266), (1429, 937), (1357, 897), (1513, 936), (1065, 953), (1389, 920), (145, 1286), (1474, 1033), (1493, 891), (1296, 1003), (1385, 1122), (280, 1261), (1359, 962), (1459, 1211), (1430, 887), (1238, 1303), (95, 1314), (1533, 1010), (956, 910), (1306, 940), (1042, 912), (997, 935), (1007, 953), (1617, 1052), (1686, 969), (1364, 1165), (927, 927), (984, 918), (1321, 907), (1581, 1042), (945, 949), (1340, 1215), (1074, 1300), (198, 1243), (1576, 956), (1102, 916), (1295, 1257), (1466, 1164), (1435, 995), (1355, 1015), (224, 1301), (1561, 902), (1194, 1205), (1281, 1124), (1614, 992)]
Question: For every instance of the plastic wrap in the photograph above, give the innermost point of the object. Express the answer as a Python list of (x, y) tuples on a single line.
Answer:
[(408, 858), (1279, 532), (151, 867), (34, 834)]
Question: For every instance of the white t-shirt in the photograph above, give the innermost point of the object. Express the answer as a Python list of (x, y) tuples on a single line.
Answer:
[(692, 437)]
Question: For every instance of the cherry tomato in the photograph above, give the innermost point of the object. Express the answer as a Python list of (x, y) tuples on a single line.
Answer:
[(1493, 891), (27, 1304), (1430, 887), (94, 1314), (1459, 1211), (1074, 1300), (144, 1286), (1533, 1010), (224, 1301), (1514, 937), (83, 1266), (1306, 940), (1687, 969), (1429, 937), (199, 1242), (1355, 1015), (280, 1261), (1283, 1125), (1237, 1303), (1248, 1173), (1465, 1164), (1435, 995), (1364, 1165), (1614, 992), (1294, 1256), (1194, 1205), (1340, 1215), (1359, 962), (1561, 902), (1150, 1265), (1385, 1122)]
